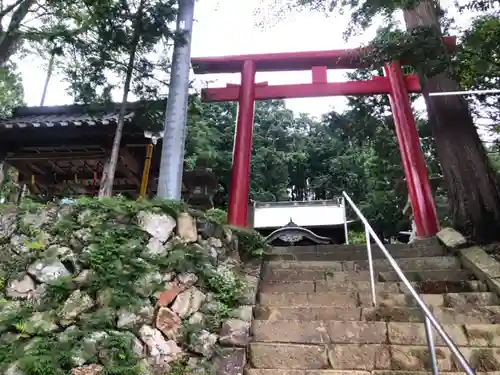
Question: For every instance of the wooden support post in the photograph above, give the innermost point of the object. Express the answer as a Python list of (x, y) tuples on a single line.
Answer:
[(131, 167), (145, 171)]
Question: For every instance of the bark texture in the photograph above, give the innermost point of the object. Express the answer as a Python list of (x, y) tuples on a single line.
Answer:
[(109, 170), (472, 184), (11, 36)]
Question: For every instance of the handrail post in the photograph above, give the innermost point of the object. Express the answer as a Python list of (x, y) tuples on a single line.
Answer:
[(346, 233), (431, 346), (370, 265)]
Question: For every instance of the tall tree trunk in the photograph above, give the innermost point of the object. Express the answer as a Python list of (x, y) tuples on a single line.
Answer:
[(11, 37), (108, 176), (50, 70), (472, 184)]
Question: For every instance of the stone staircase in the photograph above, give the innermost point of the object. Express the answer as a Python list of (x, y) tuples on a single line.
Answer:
[(314, 314)]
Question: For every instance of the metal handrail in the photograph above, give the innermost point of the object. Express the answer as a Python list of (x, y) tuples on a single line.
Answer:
[(430, 319)]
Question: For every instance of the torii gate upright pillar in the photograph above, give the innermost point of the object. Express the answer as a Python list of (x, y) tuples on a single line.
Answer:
[(412, 158), (242, 149)]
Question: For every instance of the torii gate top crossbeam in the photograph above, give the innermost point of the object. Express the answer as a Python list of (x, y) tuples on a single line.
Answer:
[(290, 61)]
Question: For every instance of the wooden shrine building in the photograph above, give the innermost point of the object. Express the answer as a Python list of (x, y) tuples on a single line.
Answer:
[(61, 151)]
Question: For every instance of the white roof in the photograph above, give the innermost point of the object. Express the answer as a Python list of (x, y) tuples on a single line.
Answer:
[(304, 214)]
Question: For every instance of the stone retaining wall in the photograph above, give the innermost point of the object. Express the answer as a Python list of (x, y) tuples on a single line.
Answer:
[(119, 287), (484, 266)]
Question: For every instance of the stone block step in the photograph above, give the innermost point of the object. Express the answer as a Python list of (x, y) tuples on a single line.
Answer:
[(428, 263), (380, 265), (366, 357), (353, 252), (296, 275), (274, 371), (362, 332), (355, 299), (467, 314), (350, 255), (445, 315), (441, 275), (426, 287)]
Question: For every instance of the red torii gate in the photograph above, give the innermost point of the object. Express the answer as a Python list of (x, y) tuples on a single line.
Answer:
[(395, 84)]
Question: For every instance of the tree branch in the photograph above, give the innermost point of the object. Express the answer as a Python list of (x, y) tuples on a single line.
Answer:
[(10, 8), (139, 71), (11, 36)]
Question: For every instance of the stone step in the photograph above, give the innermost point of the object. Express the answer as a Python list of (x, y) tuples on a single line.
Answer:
[(296, 275), (379, 265), (366, 357), (353, 252), (355, 299), (362, 332), (428, 263), (426, 287), (353, 372), (437, 275), (351, 255), (445, 315)]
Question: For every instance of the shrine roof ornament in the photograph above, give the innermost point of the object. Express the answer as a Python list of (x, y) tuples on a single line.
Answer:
[(292, 233)]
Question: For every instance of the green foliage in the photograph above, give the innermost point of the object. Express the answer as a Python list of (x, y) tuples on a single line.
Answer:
[(118, 356), (478, 67), (217, 315), (11, 90), (94, 62), (357, 238), (58, 291), (179, 368), (217, 216), (250, 243), (226, 288), (479, 5), (46, 356), (421, 47), (13, 316)]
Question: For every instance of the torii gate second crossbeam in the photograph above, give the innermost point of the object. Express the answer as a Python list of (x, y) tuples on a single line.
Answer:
[(395, 84)]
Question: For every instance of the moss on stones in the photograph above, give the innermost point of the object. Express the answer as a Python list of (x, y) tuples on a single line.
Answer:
[(80, 285)]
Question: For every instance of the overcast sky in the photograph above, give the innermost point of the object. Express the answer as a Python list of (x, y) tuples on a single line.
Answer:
[(228, 27)]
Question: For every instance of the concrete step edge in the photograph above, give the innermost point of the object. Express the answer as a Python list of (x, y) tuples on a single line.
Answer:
[(326, 263), (365, 357), (364, 275), (429, 287), (364, 332), (487, 314), (364, 299), (355, 254)]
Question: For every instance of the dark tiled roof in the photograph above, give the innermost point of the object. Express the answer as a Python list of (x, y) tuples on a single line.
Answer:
[(62, 120), (67, 115)]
